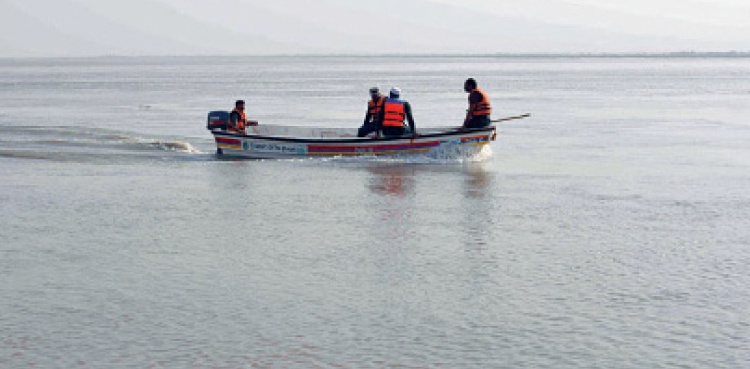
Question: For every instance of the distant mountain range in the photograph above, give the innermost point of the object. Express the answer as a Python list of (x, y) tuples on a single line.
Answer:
[(241, 27)]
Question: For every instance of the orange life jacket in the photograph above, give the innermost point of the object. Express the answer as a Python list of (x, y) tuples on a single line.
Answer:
[(373, 107), (241, 123), (483, 107), (395, 112)]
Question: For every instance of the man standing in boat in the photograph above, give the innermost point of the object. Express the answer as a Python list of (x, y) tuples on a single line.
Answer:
[(478, 115), (392, 115), (374, 105)]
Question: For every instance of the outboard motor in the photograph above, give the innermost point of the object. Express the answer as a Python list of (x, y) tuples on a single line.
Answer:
[(218, 119)]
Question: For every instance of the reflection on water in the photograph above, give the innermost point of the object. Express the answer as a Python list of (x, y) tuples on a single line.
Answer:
[(400, 179), (478, 179), (468, 186), (394, 187), (478, 205), (392, 179)]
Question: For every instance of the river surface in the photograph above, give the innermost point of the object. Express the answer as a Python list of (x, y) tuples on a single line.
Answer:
[(608, 230)]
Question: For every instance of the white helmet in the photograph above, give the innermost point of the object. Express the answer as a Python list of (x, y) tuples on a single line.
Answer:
[(395, 92)]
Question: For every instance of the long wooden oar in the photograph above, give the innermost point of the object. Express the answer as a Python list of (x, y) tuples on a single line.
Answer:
[(511, 118)]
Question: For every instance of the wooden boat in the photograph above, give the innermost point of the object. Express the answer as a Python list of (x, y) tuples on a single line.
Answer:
[(276, 141)]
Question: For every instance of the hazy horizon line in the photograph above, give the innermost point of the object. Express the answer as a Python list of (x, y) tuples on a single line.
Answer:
[(665, 54)]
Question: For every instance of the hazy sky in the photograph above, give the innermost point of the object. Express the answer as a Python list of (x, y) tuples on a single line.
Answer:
[(179, 27)]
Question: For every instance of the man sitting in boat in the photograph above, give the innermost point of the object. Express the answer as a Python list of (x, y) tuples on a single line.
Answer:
[(238, 118), (391, 118), (374, 105), (478, 115)]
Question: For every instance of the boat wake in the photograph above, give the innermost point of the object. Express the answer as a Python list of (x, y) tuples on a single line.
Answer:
[(74, 144), (171, 145)]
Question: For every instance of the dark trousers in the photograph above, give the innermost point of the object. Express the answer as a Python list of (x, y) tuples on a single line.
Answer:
[(393, 131), (366, 129), (479, 121)]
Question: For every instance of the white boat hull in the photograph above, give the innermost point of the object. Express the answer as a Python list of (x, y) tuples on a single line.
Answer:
[(278, 142)]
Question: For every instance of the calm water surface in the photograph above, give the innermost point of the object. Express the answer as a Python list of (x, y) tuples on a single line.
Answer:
[(609, 230)]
